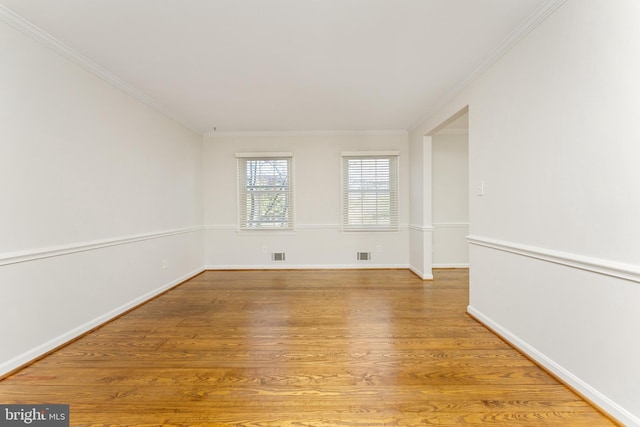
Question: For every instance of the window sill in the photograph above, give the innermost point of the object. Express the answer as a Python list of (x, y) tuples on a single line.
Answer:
[(263, 231)]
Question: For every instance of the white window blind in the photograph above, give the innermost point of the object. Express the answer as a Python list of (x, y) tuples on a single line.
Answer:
[(370, 192), (265, 192)]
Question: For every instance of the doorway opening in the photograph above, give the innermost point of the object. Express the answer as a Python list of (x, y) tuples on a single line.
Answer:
[(450, 192)]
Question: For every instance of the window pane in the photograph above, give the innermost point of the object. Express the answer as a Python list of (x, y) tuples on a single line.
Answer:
[(265, 193), (370, 192)]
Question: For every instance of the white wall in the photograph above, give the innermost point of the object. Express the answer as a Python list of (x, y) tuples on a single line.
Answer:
[(318, 240), (97, 190), (555, 255), (420, 228), (450, 198)]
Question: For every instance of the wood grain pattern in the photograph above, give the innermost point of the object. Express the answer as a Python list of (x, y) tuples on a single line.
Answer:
[(300, 348)]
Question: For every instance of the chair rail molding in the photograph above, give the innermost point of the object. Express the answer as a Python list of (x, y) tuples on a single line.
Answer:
[(54, 251), (594, 265)]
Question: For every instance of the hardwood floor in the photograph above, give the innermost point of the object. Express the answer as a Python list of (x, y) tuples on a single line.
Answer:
[(300, 348)]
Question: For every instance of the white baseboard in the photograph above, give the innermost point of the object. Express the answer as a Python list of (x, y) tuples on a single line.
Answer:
[(588, 392), (363, 266), (421, 274), (36, 352), (462, 265), (417, 272)]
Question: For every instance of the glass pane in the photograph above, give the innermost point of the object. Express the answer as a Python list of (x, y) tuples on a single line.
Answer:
[(266, 200), (368, 193)]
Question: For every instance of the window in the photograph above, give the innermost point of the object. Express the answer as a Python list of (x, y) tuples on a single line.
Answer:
[(265, 191), (370, 191)]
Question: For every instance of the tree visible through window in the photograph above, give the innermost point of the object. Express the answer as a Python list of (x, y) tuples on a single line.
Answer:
[(265, 193), (370, 192)]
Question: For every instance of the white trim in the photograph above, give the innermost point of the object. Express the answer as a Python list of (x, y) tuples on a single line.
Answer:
[(264, 154), (257, 232), (370, 230), (460, 265), (594, 265), (54, 343), (530, 24), (370, 153), (220, 227), (438, 225), (47, 40), (420, 274), (301, 133), (54, 251), (421, 228), (599, 399), (266, 232), (365, 265)]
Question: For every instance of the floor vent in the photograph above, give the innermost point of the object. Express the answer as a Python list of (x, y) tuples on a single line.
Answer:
[(364, 256), (277, 256)]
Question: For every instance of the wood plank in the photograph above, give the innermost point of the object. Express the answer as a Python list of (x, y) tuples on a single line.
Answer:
[(263, 348), (274, 376), (258, 358)]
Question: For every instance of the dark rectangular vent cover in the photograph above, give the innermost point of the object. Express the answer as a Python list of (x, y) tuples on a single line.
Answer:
[(364, 256), (277, 256)]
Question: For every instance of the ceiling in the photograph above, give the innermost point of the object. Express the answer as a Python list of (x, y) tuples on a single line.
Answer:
[(288, 65)]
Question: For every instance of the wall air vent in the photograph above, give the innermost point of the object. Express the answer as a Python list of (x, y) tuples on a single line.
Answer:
[(364, 256), (277, 256)]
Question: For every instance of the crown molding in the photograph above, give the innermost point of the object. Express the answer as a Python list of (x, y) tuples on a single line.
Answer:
[(298, 133), (17, 22), (44, 38), (529, 24)]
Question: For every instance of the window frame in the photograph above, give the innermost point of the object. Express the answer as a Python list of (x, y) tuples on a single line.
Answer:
[(393, 191), (241, 191)]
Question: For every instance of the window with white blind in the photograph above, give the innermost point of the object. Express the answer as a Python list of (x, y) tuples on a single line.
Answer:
[(370, 191), (265, 191)]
